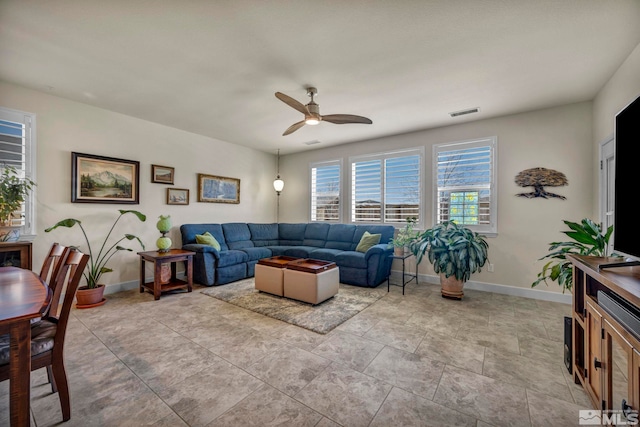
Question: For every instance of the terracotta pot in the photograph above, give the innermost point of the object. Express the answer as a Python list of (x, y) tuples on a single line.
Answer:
[(399, 250), (451, 287), (87, 298)]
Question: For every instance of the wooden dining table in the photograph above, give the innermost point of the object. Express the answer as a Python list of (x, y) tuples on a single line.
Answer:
[(23, 296)]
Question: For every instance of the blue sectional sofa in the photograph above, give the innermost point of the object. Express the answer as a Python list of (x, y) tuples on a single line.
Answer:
[(242, 245)]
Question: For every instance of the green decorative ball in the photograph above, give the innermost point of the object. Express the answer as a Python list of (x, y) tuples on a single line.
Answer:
[(163, 244)]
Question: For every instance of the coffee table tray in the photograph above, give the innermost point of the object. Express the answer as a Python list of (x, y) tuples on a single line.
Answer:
[(279, 261), (310, 265)]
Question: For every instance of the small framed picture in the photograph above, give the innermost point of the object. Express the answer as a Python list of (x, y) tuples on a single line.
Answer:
[(177, 196), (218, 189), (99, 179), (162, 174)]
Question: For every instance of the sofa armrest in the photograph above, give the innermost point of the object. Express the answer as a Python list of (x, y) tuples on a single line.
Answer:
[(379, 249), (195, 247)]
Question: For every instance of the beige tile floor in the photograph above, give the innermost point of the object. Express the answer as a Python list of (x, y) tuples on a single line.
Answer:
[(413, 360)]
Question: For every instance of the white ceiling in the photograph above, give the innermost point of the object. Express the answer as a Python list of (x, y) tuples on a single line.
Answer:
[(212, 67)]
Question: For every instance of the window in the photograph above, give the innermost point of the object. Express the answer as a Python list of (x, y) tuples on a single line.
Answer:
[(325, 191), (465, 184), (17, 149), (386, 187)]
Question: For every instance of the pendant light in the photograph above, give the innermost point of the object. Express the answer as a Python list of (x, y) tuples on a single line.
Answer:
[(278, 184)]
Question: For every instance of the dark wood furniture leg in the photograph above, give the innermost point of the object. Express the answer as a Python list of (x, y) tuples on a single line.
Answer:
[(20, 368), (156, 280), (189, 273), (142, 279)]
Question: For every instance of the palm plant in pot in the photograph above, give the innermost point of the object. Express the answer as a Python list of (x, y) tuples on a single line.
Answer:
[(91, 294), (455, 252), (13, 192)]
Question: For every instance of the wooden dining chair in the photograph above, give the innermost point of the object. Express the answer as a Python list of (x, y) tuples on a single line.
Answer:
[(56, 254), (47, 336)]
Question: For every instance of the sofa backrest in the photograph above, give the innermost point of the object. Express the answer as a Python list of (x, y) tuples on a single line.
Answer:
[(264, 234), (189, 232), (340, 236), (237, 235), (316, 234), (291, 234), (385, 231)]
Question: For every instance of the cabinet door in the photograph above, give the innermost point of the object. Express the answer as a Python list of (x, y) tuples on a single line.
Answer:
[(593, 380), (617, 369)]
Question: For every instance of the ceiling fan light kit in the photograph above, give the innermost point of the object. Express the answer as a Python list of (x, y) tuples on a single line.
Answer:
[(312, 115)]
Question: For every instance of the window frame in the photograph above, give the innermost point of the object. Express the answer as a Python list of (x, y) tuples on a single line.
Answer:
[(28, 231), (382, 156), (490, 230), (327, 163)]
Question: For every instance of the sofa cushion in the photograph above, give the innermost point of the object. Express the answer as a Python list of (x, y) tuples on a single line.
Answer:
[(325, 254), (278, 250), (385, 231), (257, 253), (300, 251), (189, 232), (237, 235), (351, 259), (207, 239), (316, 234), (340, 236), (232, 257), (291, 234), (264, 234), (367, 241)]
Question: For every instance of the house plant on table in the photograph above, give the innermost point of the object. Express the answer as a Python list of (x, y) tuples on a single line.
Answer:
[(404, 237), (588, 240), (91, 294), (455, 251), (13, 192)]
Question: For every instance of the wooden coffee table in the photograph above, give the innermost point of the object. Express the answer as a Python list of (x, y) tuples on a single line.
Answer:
[(157, 287)]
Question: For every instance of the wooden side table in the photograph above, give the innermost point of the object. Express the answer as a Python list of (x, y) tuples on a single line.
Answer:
[(157, 287)]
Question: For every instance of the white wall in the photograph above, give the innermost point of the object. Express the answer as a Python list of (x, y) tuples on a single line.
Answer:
[(556, 138), (64, 126)]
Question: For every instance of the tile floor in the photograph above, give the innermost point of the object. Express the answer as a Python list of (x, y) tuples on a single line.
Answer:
[(412, 360)]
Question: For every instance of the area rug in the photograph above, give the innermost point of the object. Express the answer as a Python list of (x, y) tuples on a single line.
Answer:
[(320, 318)]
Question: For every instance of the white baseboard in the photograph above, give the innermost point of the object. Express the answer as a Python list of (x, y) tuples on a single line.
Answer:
[(498, 289)]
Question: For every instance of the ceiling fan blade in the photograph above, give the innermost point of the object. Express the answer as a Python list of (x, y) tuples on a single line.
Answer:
[(292, 102), (294, 127), (341, 119)]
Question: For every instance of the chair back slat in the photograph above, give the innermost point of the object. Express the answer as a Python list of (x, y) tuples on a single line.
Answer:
[(52, 263)]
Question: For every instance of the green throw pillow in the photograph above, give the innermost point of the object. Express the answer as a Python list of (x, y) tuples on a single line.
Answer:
[(207, 239), (368, 240)]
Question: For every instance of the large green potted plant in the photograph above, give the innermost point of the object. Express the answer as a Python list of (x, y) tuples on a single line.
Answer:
[(13, 192), (91, 294), (404, 237), (587, 239), (455, 252)]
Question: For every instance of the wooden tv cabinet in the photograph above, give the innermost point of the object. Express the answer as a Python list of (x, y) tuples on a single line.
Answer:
[(605, 352)]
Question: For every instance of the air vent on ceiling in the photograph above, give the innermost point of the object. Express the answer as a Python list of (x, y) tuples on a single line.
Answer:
[(315, 141), (463, 112)]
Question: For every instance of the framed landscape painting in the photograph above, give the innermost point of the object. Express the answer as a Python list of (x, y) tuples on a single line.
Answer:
[(177, 196), (218, 189), (162, 174), (98, 179)]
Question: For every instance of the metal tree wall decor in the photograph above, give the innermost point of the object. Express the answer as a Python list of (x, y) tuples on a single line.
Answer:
[(538, 178)]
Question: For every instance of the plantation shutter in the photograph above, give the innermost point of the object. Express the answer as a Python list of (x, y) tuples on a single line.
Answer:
[(16, 138), (366, 191), (402, 189), (325, 192), (465, 184)]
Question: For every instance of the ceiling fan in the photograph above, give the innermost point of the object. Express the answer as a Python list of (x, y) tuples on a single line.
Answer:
[(312, 115)]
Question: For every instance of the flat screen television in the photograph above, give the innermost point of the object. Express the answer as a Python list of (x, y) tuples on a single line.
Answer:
[(626, 214)]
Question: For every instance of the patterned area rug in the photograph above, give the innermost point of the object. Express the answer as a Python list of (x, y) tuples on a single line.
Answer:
[(320, 318)]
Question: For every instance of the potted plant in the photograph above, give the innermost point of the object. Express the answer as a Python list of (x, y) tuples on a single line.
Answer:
[(588, 239), (455, 251), (13, 192), (91, 294), (404, 237)]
